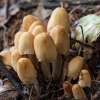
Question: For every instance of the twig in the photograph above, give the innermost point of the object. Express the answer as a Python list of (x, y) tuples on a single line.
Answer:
[(47, 94), (8, 90), (83, 40), (75, 8), (12, 79), (48, 84), (85, 44)]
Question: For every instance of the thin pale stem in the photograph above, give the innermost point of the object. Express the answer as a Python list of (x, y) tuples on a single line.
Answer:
[(37, 87), (46, 69), (57, 65)]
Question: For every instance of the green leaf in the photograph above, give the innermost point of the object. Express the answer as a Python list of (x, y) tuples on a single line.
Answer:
[(91, 29)]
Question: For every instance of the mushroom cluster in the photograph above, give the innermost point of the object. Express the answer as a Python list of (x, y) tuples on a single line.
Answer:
[(35, 43), (76, 72), (38, 43)]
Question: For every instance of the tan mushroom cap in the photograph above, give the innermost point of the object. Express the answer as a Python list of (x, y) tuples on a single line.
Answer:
[(44, 48), (27, 21), (12, 48), (6, 58), (15, 56), (60, 39), (84, 78), (59, 17), (16, 39), (75, 66), (35, 24), (78, 92), (26, 71), (26, 45), (67, 86), (38, 29)]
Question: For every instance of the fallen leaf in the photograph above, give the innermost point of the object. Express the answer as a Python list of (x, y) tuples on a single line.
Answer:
[(91, 29)]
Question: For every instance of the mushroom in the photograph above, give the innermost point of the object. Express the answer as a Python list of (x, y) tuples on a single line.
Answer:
[(84, 78), (59, 17), (27, 21), (74, 67), (78, 92), (34, 25), (16, 39), (45, 51), (62, 43), (26, 45), (6, 58), (27, 73), (67, 86), (15, 56), (12, 48), (38, 29)]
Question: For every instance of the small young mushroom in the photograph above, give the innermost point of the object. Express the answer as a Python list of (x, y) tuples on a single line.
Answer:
[(15, 56), (38, 29), (78, 92), (6, 60), (74, 67), (62, 43), (26, 45), (27, 73), (59, 17), (27, 21), (84, 78), (16, 39), (35, 24), (45, 51), (67, 86)]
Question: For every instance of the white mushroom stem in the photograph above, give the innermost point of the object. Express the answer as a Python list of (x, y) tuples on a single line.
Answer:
[(57, 65), (37, 87), (46, 69)]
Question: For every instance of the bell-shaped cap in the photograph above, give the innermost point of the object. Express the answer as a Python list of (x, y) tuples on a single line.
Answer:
[(84, 78), (15, 56), (26, 45), (27, 21), (6, 54), (35, 24), (59, 17), (75, 66), (60, 39), (38, 29), (16, 39), (78, 92), (44, 47), (26, 71)]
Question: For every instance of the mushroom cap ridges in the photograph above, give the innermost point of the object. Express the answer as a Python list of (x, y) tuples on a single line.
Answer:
[(60, 39), (75, 66), (15, 56), (44, 48), (59, 17), (16, 39), (84, 78), (6, 58), (35, 24), (26, 71), (78, 92), (38, 29), (26, 45), (27, 21)]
